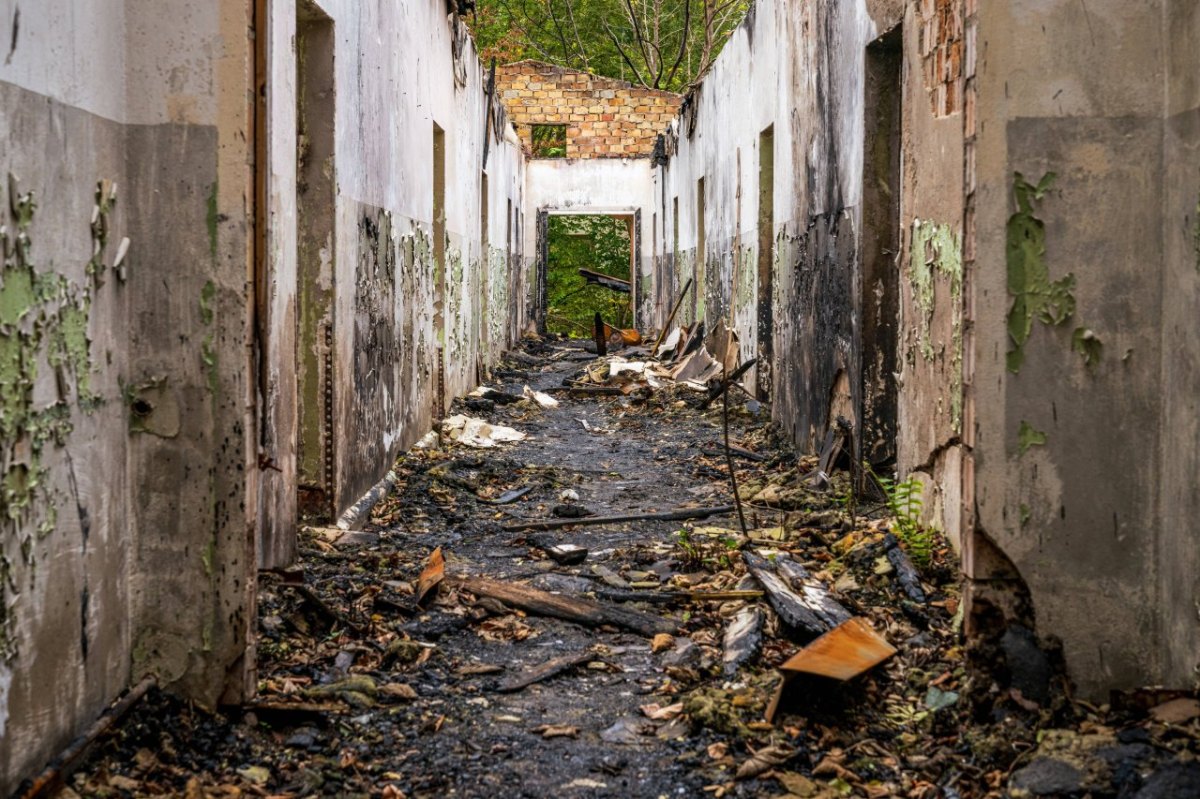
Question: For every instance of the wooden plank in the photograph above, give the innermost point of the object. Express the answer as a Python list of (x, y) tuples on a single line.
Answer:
[(545, 671), (790, 606), (574, 609), (812, 592)]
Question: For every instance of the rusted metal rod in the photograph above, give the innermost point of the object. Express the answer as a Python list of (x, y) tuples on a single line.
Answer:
[(53, 777)]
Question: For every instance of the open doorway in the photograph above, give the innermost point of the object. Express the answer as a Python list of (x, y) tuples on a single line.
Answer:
[(315, 251), (880, 284), (589, 263)]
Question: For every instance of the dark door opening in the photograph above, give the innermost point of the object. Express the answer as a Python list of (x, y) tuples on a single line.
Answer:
[(315, 252), (880, 284), (439, 266), (766, 260), (588, 269)]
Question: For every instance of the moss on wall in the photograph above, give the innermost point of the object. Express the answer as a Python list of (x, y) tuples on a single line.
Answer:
[(936, 254), (1034, 295), (44, 318)]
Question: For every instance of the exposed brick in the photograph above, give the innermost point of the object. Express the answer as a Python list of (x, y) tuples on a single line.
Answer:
[(605, 117)]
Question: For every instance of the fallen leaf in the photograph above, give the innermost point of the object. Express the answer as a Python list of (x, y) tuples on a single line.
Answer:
[(122, 783), (660, 713), (718, 750), (398, 691), (432, 575), (557, 731), (506, 628), (1177, 711), (766, 758), (797, 784), (662, 642), (255, 774)]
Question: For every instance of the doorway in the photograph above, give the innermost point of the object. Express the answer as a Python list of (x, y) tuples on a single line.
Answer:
[(316, 259), (766, 261), (879, 300), (588, 269)]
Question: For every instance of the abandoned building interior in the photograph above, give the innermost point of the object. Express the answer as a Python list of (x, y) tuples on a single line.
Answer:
[(255, 250)]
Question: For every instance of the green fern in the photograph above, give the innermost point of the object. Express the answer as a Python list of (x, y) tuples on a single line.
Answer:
[(904, 502)]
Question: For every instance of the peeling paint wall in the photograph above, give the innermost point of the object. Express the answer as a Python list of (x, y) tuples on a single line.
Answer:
[(125, 445), (1085, 300), (399, 71), (798, 69)]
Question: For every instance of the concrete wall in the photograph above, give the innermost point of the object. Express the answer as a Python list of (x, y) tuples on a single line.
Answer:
[(154, 348), (126, 446), (604, 118), (785, 266), (399, 71), (1085, 447)]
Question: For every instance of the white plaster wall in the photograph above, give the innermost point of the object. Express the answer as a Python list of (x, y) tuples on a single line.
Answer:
[(590, 186), (396, 76), (68, 50)]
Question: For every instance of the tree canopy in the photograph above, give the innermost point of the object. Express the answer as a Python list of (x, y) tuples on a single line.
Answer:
[(659, 44)]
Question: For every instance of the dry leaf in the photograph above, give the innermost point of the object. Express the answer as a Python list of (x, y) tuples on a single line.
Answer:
[(766, 758), (557, 731), (398, 691), (662, 642), (431, 576), (1177, 711), (718, 750), (660, 713)]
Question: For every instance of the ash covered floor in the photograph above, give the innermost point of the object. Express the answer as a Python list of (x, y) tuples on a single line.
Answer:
[(365, 692)]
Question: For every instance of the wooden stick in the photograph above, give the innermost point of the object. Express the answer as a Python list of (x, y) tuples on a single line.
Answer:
[(724, 385), (559, 606), (671, 318), (737, 497), (545, 671), (669, 516), (54, 776)]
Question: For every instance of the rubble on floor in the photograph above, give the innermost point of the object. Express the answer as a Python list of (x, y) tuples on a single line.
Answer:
[(577, 611)]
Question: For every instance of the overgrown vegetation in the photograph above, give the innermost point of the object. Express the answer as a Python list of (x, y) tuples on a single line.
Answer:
[(904, 503), (598, 243), (660, 44)]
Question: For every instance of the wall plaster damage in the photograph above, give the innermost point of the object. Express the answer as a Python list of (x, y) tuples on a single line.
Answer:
[(155, 353), (252, 249)]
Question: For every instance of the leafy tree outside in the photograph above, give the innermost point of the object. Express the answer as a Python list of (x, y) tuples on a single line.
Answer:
[(659, 44), (598, 243)]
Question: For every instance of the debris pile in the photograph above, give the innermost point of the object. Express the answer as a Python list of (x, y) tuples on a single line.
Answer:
[(576, 608)]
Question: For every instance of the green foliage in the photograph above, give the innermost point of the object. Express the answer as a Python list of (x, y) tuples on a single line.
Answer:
[(904, 503), (710, 552), (660, 44), (598, 243), (549, 141)]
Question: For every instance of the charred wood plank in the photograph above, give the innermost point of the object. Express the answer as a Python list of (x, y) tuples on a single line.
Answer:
[(798, 597), (906, 573), (544, 671), (574, 609)]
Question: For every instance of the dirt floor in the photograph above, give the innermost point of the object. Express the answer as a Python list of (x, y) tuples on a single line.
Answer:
[(363, 692)]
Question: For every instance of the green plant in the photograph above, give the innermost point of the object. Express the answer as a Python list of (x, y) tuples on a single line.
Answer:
[(904, 503)]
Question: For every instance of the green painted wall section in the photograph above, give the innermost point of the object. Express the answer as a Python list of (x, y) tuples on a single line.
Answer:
[(936, 256), (44, 318)]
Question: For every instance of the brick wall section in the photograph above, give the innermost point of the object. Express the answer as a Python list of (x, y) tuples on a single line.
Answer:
[(605, 118), (941, 46)]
